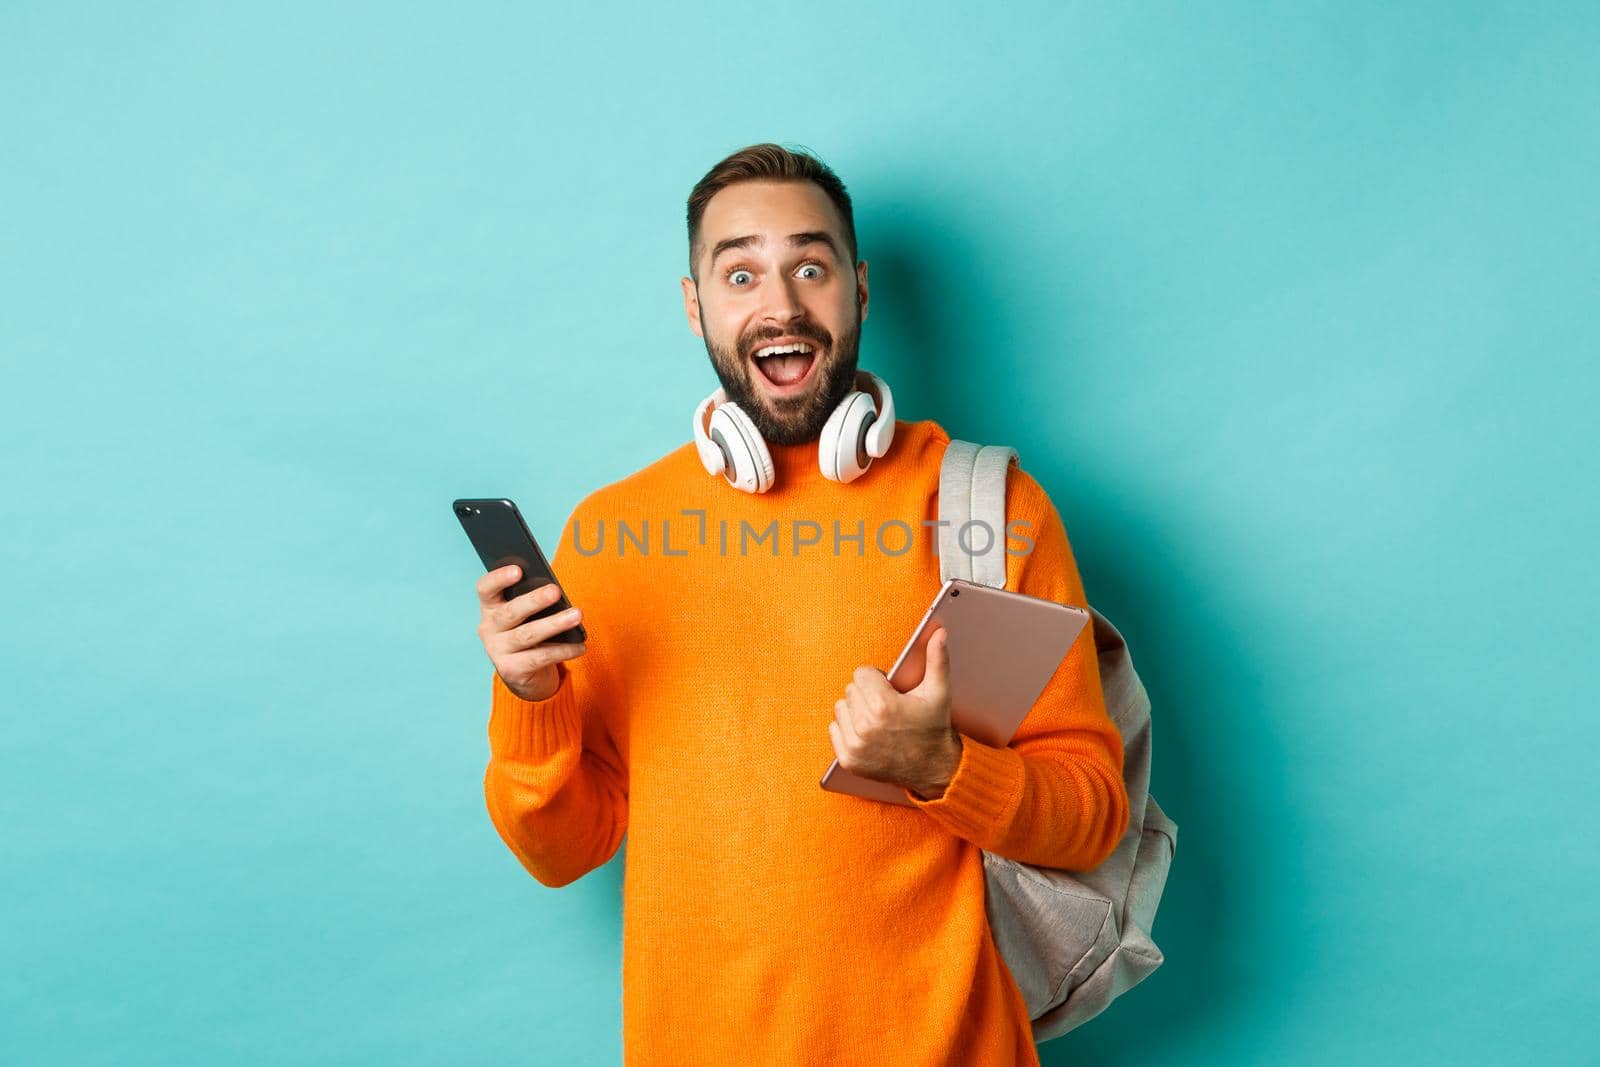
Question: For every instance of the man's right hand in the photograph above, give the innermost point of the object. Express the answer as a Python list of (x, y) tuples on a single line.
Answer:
[(522, 652)]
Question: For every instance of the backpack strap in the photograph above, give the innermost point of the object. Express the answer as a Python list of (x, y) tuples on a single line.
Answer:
[(972, 507)]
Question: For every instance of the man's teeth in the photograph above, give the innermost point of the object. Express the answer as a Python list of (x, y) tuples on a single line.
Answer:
[(778, 350)]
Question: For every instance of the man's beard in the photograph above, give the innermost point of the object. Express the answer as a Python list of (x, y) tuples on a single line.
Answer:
[(793, 420)]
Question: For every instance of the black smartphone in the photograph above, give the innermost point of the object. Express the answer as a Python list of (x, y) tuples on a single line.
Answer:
[(500, 535)]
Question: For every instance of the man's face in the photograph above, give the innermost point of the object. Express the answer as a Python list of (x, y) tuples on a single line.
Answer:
[(768, 290)]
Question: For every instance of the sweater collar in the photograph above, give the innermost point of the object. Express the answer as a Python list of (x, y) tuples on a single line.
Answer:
[(799, 464), (795, 464)]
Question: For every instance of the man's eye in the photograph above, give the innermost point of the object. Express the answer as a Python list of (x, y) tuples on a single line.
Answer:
[(813, 266), (732, 274)]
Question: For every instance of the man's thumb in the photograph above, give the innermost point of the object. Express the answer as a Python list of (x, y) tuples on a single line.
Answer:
[(936, 675)]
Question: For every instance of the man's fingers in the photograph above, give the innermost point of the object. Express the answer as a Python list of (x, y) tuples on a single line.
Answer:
[(504, 615), (538, 631), (871, 680), (515, 612), (847, 731), (533, 659), (493, 583)]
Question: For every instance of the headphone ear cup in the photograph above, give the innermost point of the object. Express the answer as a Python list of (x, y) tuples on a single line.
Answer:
[(750, 464), (828, 441), (842, 451)]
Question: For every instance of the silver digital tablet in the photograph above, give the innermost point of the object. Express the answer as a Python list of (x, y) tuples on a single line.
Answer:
[(1004, 649)]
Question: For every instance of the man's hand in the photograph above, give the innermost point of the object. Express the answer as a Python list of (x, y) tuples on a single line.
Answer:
[(902, 738), (523, 649)]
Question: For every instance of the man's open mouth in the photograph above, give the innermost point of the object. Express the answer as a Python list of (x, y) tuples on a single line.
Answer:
[(786, 365)]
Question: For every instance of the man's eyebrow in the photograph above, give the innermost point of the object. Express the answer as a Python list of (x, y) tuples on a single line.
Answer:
[(796, 240)]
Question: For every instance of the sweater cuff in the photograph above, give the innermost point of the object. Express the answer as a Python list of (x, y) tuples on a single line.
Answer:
[(982, 797), (524, 729)]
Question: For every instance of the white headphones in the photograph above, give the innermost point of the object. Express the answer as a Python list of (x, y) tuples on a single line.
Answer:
[(857, 432)]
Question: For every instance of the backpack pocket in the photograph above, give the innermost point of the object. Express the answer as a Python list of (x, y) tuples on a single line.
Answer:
[(1076, 940), (1050, 934)]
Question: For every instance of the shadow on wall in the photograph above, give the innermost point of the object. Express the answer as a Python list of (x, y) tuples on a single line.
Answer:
[(944, 330)]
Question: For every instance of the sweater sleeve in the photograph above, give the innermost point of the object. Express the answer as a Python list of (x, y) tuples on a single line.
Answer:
[(1055, 796), (556, 787)]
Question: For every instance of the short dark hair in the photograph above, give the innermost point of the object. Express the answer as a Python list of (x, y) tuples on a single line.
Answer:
[(769, 162)]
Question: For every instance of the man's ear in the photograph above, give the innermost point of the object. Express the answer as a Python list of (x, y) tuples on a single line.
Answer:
[(691, 304), (861, 287)]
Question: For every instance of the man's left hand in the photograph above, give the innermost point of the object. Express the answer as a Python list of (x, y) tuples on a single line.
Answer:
[(902, 738)]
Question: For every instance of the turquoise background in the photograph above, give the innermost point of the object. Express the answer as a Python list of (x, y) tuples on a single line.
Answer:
[(1290, 310)]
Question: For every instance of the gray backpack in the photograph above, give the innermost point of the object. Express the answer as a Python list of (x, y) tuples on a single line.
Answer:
[(1073, 940)]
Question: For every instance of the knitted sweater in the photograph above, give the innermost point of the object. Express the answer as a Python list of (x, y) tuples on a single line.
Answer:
[(767, 920)]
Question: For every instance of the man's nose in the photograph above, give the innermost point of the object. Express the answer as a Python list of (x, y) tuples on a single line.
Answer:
[(781, 301)]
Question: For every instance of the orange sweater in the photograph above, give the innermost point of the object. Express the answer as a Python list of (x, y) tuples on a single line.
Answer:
[(767, 920)]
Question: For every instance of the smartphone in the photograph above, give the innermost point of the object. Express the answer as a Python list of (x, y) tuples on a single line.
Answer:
[(497, 530)]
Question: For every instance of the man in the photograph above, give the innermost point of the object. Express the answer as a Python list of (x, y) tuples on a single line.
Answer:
[(730, 658)]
